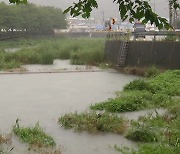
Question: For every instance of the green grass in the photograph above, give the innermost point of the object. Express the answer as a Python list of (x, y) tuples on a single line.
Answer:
[(167, 83), (91, 56), (149, 148), (93, 122), (133, 101), (33, 135), (44, 51), (158, 149), (145, 94)]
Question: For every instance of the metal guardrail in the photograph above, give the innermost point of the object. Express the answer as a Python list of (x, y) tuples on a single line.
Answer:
[(126, 35)]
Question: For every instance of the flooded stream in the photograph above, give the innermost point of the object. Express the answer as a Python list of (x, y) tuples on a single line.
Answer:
[(44, 98), (60, 66)]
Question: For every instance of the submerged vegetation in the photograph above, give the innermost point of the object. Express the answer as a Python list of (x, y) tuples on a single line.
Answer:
[(155, 133), (94, 123), (5, 139), (79, 51), (133, 101), (38, 140), (159, 133), (33, 135), (143, 94)]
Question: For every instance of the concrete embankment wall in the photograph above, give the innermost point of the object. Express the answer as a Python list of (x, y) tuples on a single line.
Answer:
[(145, 53)]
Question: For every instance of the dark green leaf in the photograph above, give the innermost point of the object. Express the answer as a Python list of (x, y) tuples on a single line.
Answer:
[(147, 14)]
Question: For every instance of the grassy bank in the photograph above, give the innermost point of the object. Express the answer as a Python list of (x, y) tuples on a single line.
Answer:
[(79, 51)]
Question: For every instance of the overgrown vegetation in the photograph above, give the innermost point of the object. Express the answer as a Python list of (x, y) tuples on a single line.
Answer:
[(149, 148), (93, 122), (156, 133), (39, 142), (133, 101), (142, 94), (162, 131), (79, 51), (33, 135), (164, 128)]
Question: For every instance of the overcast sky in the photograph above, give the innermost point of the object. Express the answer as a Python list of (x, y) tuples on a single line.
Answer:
[(106, 6)]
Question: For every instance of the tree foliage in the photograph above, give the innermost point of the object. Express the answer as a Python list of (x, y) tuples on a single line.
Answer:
[(128, 9), (30, 17)]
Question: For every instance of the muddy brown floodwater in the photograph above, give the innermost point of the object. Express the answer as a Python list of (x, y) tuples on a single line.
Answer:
[(45, 97)]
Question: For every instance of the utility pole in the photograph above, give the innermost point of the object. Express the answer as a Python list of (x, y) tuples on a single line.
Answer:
[(170, 13), (174, 18)]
